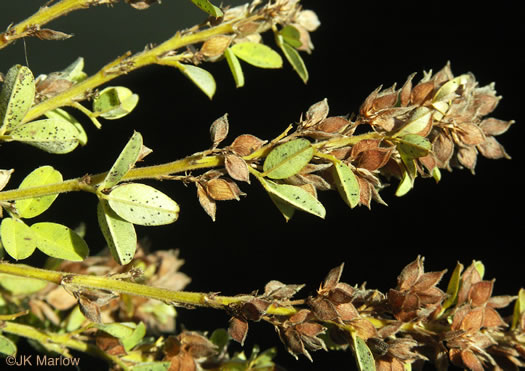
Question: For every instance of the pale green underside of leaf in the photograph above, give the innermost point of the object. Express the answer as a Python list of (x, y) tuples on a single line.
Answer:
[(363, 355), (200, 77), (51, 135), (7, 346), (21, 285), (291, 36), (413, 145), (142, 204), (17, 238), (258, 55), (293, 57), (16, 97), (59, 241), (417, 122), (208, 7), (346, 183), (115, 102), (235, 67), (31, 207), (119, 234), (293, 196), (125, 161), (288, 159), (59, 113)]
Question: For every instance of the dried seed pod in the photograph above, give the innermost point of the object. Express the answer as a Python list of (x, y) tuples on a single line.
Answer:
[(208, 204), (222, 189), (316, 113), (238, 330), (219, 130), (215, 47), (246, 144), (237, 168)]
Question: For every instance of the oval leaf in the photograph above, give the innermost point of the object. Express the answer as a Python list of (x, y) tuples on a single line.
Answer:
[(293, 57), (291, 36), (288, 159), (59, 113), (200, 77), (51, 135), (16, 97), (258, 55), (208, 7), (446, 92), (119, 234), (347, 184), (17, 238), (21, 285), (125, 161), (7, 347), (59, 241), (294, 196), (115, 102), (143, 205), (405, 185), (31, 207), (363, 355), (235, 68), (414, 146)]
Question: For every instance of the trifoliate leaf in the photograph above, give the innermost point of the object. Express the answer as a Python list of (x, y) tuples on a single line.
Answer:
[(142, 204), (125, 161), (235, 67), (208, 7), (51, 135), (59, 241), (115, 102), (16, 97), (120, 234), (258, 55), (17, 238), (288, 159), (294, 196), (200, 77), (413, 145), (31, 207), (346, 183), (363, 355), (59, 113), (7, 346), (418, 122)]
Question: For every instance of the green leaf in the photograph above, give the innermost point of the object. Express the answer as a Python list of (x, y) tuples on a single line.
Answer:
[(291, 36), (119, 234), (74, 320), (288, 159), (119, 330), (480, 267), (258, 55), (294, 58), (125, 161), (208, 7), (220, 338), (21, 285), (16, 97), (115, 102), (285, 208), (75, 71), (235, 68), (519, 308), (51, 135), (200, 77), (405, 185), (417, 122), (151, 366), (446, 91), (17, 238), (59, 113), (7, 347), (142, 204), (413, 145), (453, 287), (346, 183), (59, 241), (294, 196), (31, 207), (363, 355), (135, 338)]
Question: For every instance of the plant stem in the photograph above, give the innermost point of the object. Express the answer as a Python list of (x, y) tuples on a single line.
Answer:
[(179, 298)]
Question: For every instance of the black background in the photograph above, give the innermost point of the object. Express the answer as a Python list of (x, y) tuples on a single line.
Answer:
[(357, 48)]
